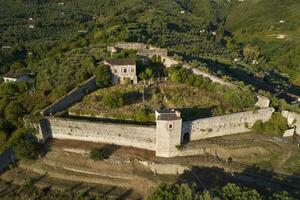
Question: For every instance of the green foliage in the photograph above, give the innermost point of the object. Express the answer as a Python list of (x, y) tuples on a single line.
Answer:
[(147, 74), (98, 154), (26, 150), (103, 76), (232, 191), (281, 196), (275, 126), (172, 192), (143, 115), (113, 100), (233, 99), (14, 113), (257, 26)]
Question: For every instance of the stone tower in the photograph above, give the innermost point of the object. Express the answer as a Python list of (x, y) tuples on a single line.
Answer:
[(168, 132)]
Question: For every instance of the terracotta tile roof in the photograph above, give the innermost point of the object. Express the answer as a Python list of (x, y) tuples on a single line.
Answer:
[(122, 61), (11, 75)]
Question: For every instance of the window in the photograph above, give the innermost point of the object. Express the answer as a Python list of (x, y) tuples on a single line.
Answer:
[(170, 126), (132, 70), (115, 71), (125, 70)]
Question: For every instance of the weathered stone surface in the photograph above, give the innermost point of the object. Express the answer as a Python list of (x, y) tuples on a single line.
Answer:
[(131, 45), (226, 124), (262, 102), (119, 134), (293, 120), (289, 132), (164, 138)]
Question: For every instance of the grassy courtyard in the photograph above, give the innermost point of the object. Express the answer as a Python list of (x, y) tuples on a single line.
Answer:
[(193, 102)]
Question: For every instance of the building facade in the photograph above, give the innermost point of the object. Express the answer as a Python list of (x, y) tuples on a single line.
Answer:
[(123, 70), (11, 77)]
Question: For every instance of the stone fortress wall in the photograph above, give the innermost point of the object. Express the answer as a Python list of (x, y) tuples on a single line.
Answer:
[(225, 124), (112, 133), (150, 137), (73, 96), (144, 137)]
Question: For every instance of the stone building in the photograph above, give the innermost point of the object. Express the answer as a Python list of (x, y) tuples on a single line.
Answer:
[(12, 77), (123, 70)]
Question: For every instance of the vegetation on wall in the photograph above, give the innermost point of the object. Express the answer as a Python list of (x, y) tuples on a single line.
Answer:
[(275, 126)]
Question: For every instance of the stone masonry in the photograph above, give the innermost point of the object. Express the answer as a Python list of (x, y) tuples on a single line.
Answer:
[(164, 138)]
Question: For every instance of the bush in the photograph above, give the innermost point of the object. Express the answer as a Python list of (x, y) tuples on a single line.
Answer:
[(275, 126), (26, 150), (114, 100), (98, 154)]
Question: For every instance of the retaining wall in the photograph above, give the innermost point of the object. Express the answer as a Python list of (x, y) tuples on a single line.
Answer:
[(226, 124), (112, 133), (73, 96)]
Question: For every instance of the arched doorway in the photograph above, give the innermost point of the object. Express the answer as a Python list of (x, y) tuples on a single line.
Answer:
[(186, 138)]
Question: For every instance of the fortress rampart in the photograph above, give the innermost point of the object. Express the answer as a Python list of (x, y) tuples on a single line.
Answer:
[(112, 133), (225, 124), (73, 96), (163, 138)]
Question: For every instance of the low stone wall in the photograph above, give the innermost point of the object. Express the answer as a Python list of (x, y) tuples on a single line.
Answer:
[(73, 96), (213, 78), (131, 45), (112, 133), (226, 124)]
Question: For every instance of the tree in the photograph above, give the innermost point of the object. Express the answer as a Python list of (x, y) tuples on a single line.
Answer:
[(281, 196), (14, 113), (113, 100), (177, 192), (103, 76), (232, 191)]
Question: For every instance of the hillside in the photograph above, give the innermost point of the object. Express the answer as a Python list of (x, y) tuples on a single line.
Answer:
[(274, 27)]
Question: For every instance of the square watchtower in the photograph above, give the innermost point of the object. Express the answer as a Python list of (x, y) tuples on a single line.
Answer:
[(168, 132)]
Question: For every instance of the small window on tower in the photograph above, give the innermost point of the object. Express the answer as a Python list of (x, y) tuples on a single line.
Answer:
[(170, 126)]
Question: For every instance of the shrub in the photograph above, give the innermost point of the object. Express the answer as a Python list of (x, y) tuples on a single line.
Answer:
[(114, 100), (275, 126), (26, 150), (98, 154)]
